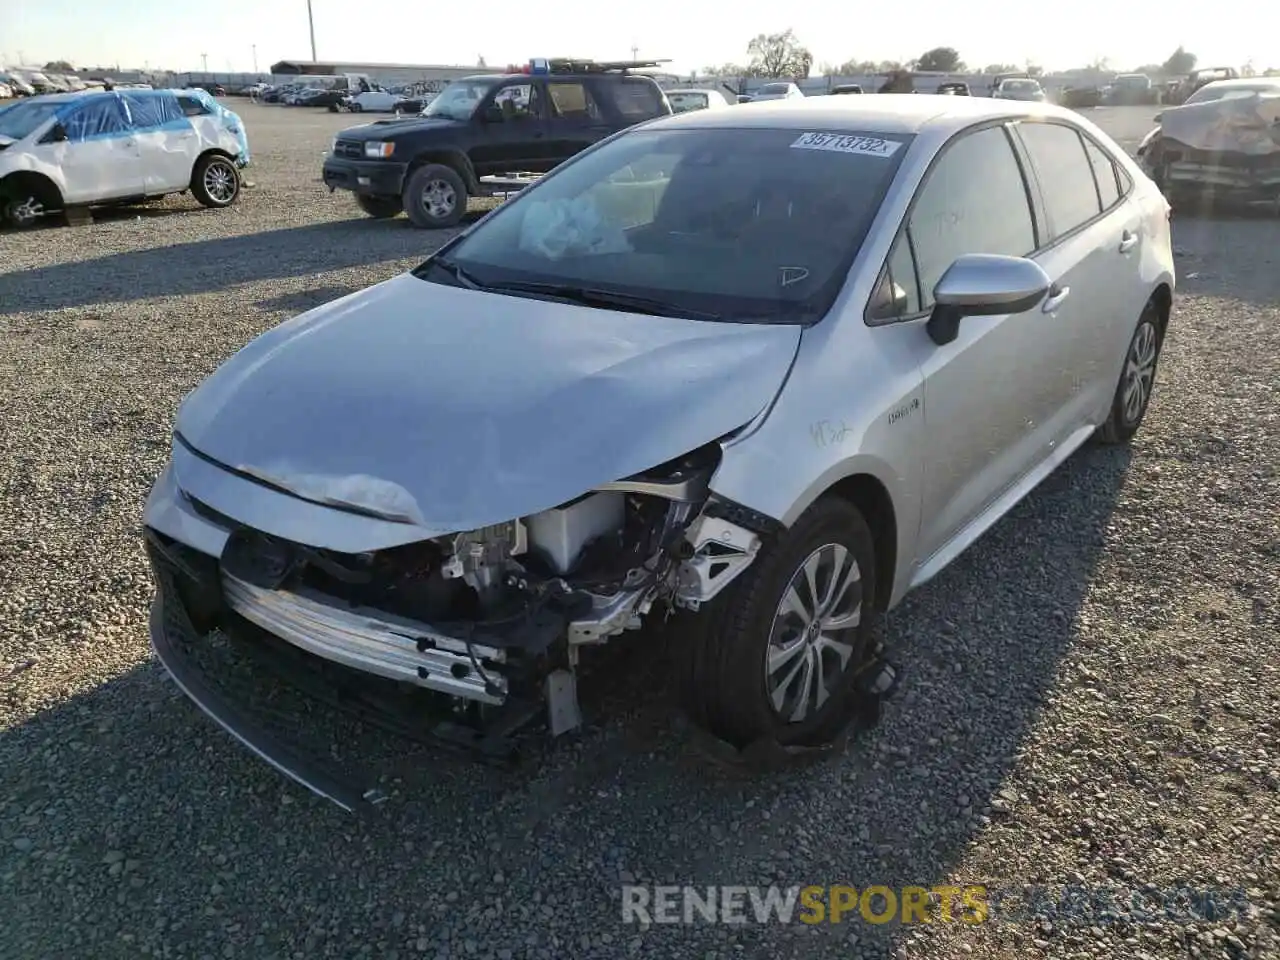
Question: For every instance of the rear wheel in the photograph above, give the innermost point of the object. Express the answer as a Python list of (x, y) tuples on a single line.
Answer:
[(779, 653), (435, 197), (1137, 380), (380, 208), (215, 181)]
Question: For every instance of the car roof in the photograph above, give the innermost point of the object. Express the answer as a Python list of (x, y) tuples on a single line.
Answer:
[(1248, 83), (891, 113)]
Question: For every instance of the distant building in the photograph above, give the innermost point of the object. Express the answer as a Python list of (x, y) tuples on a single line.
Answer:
[(387, 73)]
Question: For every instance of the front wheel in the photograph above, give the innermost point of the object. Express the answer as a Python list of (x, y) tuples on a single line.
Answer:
[(215, 182), (435, 197), (380, 208), (23, 212), (780, 652), (1137, 380)]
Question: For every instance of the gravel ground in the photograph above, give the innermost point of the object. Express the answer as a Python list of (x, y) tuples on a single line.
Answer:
[(1091, 695)]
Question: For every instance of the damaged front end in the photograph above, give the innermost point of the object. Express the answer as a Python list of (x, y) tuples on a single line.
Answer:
[(481, 630), (1220, 150)]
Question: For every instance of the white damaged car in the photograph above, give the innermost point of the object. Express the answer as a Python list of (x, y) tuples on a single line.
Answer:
[(88, 149), (775, 368)]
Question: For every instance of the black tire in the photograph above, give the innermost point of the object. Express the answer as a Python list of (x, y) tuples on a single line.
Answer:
[(434, 214), (356, 108), (725, 676), (1138, 374), (215, 181), (380, 208)]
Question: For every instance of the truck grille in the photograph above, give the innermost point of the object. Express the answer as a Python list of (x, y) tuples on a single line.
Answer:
[(348, 148)]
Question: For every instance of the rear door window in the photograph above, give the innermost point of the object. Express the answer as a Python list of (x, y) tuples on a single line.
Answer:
[(572, 100), (1104, 172), (152, 111), (1065, 174), (634, 97), (192, 107)]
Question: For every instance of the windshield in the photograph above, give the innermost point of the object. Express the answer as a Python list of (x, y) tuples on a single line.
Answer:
[(680, 102), (775, 88), (1024, 86), (26, 116), (458, 101), (754, 225)]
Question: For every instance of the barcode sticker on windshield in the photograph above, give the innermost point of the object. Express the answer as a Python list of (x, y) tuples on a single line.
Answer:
[(843, 143)]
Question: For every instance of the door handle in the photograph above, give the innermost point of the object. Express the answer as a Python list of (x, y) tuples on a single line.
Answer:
[(1128, 241), (1056, 295)]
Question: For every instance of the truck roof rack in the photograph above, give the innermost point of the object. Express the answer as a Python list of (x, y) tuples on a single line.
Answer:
[(564, 65)]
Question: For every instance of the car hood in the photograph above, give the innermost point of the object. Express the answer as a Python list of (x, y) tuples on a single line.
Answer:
[(383, 129), (454, 409)]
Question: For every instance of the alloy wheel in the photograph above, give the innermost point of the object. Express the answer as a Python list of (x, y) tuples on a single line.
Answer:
[(220, 181), (814, 633), (1139, 371), (439, 198)]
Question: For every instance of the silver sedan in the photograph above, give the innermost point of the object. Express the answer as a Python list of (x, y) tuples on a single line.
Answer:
[(775, 368)]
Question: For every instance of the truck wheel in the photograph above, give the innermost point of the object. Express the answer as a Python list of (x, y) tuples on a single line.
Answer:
[(435, 197), (779, 653), (215, 181), (380, 208)]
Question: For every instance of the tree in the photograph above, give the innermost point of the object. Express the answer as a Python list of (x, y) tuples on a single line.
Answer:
[(1180, 63), (725, 70), (997, 68), (778, 55), (940, 60), (59, 66)]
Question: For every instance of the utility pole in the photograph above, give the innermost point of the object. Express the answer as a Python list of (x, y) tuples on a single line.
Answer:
[(255, 58), (312, 25), (204, 59), (635, 50)]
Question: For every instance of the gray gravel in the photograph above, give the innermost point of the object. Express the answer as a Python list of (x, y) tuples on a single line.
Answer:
[(1092, 694)]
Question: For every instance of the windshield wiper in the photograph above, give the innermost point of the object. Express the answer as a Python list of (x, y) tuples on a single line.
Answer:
[(455, 271), (606, 299)]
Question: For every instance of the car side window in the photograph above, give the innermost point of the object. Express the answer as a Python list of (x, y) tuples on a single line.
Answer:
[(974, 201), (519, 101), (98, 118), (192, 107), (634, 97), (572, 100), (1066, 176), (897, 294), (1104, 172), (153, 111)]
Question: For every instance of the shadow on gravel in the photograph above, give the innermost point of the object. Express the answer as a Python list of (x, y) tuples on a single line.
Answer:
[(1233, 254), (206, 266), (129, 812)]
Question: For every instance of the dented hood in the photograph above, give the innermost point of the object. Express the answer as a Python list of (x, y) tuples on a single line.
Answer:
[(453, 409), (1243, 124)]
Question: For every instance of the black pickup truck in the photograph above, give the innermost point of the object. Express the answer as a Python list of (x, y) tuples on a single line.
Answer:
[(486, 126)]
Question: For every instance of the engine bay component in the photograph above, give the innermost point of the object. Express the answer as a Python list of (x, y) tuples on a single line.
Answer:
[(559, 535), (721, 551), (480, 556)]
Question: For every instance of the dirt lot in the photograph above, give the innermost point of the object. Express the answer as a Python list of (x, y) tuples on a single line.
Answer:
[(1092, 693)]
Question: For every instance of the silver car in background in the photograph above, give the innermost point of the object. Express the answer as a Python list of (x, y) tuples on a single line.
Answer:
[(1020, 88), (650, 383)]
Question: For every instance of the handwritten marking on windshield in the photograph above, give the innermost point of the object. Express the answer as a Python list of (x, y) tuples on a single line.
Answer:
[(828, 434)]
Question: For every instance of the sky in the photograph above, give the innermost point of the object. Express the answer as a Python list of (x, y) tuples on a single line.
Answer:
[(173, 35)]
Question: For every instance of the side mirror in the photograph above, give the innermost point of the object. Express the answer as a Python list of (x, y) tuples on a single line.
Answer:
[(1158, 117), (57, 134), (493, 114), (982, 285)]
